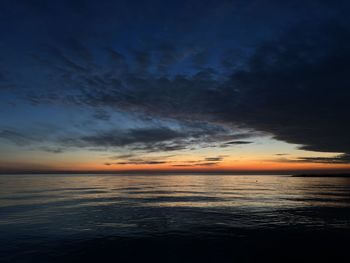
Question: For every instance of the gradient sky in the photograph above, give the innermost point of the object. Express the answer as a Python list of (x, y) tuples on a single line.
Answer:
[(174, 85)]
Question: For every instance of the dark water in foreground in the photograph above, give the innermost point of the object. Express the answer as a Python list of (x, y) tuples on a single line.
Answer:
[(182, 218)]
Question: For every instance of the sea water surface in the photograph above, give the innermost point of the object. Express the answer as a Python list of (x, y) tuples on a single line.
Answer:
[(214, 218)]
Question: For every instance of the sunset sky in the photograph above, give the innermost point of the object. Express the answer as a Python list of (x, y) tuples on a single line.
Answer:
[(243, 86)]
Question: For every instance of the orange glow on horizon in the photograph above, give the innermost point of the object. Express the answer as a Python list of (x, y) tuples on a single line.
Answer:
[(181, 163), (244, 167)]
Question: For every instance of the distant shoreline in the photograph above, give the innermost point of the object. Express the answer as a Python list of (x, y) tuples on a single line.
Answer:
[(322, 175)]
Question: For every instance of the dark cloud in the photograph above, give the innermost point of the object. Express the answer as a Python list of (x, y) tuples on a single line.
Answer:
[(137, 159), (297, 89), (137, 162), (142, 61), (214, 159), (101, 114), (167, 55), (52, 149), (238, 142), (207, 161), (152, 139), (200, 59), (163, 146), (16, 137), (43, 134), (115, 55), (196, 164), (117, 138), (339, 159), (122, 156)]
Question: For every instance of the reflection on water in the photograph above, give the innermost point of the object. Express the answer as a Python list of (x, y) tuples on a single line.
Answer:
[(91, 202), (39, 208)]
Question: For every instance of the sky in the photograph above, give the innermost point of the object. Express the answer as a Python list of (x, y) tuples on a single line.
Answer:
[(242, 86)]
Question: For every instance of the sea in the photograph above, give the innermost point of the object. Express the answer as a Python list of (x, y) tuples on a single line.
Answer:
[(173, 218)]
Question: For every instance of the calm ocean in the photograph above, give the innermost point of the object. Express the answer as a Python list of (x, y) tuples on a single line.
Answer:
[(171, 218)]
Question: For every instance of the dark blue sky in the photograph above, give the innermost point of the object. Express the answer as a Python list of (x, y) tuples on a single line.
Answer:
[(169, 84)]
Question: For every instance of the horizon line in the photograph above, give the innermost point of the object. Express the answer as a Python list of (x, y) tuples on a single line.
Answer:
[(150, 171)]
